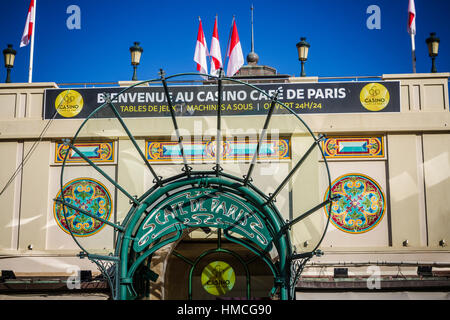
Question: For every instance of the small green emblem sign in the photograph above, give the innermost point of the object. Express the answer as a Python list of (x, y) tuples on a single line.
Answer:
[(203, 207)]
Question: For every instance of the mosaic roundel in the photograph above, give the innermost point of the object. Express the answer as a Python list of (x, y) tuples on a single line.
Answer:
[(361, 206), (89, 195)]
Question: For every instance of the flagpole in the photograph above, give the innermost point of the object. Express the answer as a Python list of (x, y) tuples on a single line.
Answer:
[(413, 47), (30, 71), (412, 31), (210, 53), (229, 38)]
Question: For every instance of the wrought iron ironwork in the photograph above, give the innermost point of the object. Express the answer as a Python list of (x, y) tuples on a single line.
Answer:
[(120, 267)]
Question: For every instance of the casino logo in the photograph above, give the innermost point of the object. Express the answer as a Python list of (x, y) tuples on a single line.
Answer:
[(69, 103), (374, 97), (218, 278)]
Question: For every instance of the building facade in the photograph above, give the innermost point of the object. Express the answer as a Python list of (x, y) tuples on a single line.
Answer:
[(395, 165)]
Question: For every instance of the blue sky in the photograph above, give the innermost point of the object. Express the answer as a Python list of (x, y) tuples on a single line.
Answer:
[(341, 43)]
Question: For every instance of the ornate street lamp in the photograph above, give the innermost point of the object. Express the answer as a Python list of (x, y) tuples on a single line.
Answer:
[(136, 52), (303, 48), (9, 55), (433, 49)]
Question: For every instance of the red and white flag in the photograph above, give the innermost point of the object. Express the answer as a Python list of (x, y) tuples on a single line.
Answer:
[(234, 53), (216, 56), (201, 51), (411, 17), (412, 31), (28, 31)]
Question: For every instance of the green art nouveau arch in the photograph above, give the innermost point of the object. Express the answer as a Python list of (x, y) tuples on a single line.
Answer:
[(270, 232), (191, 199)]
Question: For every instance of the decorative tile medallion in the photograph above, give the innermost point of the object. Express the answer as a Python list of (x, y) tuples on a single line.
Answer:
[(94, 151), (89, 195), (354, 147), (167, 151), (361, 206)]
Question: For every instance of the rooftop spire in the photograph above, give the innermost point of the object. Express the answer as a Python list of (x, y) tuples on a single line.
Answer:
[(252, 57), (253, 41)]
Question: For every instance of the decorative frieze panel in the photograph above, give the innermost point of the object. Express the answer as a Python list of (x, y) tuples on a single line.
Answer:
[(100, 152), (169, 151), (354, 147)]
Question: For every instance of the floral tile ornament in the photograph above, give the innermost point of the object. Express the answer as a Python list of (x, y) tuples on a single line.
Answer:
[(87, 194), (361, 206)]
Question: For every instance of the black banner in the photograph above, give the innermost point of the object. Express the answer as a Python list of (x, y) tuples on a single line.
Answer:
[(302, 98)]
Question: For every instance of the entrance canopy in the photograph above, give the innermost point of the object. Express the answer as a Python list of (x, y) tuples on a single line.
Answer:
[(196, 198)]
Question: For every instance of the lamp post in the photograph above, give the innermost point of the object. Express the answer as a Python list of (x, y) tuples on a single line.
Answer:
[(9, 54), (433, 49), (136, 52), (303, 48)]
